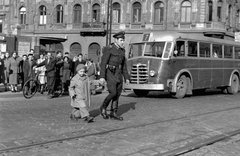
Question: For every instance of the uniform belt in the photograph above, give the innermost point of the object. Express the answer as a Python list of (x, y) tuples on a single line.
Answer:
[(114, 67)]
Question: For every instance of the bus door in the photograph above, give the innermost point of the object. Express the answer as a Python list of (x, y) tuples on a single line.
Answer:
[(205, 72), (192, 63), (178, 61), (217, 65)]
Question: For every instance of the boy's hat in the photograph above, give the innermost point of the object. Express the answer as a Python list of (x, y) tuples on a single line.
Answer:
[(80, 66)]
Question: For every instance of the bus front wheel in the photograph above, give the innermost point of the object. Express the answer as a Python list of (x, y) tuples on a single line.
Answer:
[(141, 92), (181, 87), (233, 89)]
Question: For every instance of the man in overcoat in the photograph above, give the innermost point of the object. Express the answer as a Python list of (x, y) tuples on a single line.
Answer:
[(50, 64), (113, 69)]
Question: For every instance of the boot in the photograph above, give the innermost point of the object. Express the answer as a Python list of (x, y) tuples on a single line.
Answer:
[(103, 112), (113, 115), (88, 119), (41, 90)]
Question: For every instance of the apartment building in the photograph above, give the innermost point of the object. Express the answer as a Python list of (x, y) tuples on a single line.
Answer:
[(80, 26)]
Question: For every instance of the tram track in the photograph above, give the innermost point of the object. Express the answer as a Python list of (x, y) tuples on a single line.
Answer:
[(178, 151), (197, 145)]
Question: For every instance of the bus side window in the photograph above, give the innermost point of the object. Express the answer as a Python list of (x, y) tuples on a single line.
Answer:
[(237, 52), (192, 48), (217, 51), (179, 50)]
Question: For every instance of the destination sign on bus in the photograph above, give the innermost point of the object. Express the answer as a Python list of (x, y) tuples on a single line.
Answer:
[(146, 37)]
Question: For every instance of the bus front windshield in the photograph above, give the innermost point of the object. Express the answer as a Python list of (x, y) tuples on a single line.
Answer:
[(154, 49)]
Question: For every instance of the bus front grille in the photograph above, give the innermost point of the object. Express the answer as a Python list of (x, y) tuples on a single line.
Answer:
[(139, 73)]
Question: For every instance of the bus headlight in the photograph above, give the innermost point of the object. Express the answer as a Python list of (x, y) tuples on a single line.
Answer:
[(152, 73)]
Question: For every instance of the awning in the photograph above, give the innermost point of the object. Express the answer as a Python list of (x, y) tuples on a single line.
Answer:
[(55, 39)]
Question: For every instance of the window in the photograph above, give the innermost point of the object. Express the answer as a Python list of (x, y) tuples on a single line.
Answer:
[(59, 11), (43, 15), (237, 52), (136, 50), (210, 10), (219, 10), (192, 48), (237, 18), (75, 49), (96, 13), (186, 11), (158, 12), (77, 13), (116, 13), (229, 15), (22, 13), (136, 12), (228, 51), (1, 4), (217, 51), (204, 49), (179, 49), (154, 49), (1, 26)]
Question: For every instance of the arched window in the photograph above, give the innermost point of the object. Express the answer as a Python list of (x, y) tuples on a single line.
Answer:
[(96, 13), (59, 47), (77, 13), (237, 18), (210, 11), (136, 12), (230, 13), (22, 13), (75, 49), (43, 15), (59, 11), (158, 12), (116, 13), (94, 52), (186, 9), (219, 10)]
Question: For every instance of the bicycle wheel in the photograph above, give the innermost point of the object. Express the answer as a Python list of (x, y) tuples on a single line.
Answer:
[(58, 89), (30, 88)]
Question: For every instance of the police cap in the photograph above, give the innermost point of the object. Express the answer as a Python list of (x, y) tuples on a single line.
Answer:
[(120, 34)]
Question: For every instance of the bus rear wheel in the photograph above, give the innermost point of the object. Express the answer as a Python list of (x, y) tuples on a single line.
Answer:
[(140, 92), (181, 87), (233, 89)]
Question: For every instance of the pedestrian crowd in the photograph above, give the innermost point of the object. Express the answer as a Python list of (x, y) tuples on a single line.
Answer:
[(52, 71)]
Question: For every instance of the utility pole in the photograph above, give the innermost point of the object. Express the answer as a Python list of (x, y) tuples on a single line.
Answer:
[(109, 22)]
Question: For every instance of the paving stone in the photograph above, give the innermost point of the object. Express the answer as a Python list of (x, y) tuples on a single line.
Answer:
[(149, 152), (9, 144)]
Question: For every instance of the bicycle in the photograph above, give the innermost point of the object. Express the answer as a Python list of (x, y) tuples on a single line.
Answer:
[(31, 86)]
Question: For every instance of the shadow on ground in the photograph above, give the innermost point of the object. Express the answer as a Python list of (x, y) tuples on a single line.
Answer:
[(160, 94), (121, 109)]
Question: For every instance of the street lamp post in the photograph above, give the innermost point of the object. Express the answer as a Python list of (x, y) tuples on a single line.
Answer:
[(109, 22)]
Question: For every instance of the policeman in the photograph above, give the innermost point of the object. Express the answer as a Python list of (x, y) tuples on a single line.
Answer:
[(113, 69)]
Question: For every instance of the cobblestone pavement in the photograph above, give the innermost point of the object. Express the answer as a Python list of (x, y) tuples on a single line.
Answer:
[(152, 125)]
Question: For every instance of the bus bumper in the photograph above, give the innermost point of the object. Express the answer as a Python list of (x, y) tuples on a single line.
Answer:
[(145, 86)]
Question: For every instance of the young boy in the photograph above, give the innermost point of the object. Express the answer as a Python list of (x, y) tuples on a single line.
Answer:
[(79, 91)]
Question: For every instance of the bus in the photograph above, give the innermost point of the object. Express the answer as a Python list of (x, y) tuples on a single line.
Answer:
[(182, 63)]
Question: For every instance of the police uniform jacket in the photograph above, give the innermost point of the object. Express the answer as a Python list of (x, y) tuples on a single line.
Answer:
[(114, 56)]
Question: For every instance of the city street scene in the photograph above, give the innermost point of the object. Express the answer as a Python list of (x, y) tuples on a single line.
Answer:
[(119, 78)]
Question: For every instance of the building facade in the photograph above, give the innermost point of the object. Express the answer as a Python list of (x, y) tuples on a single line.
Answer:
[(80, 26)]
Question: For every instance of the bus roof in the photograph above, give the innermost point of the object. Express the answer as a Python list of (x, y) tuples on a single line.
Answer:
[(158, 36)]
